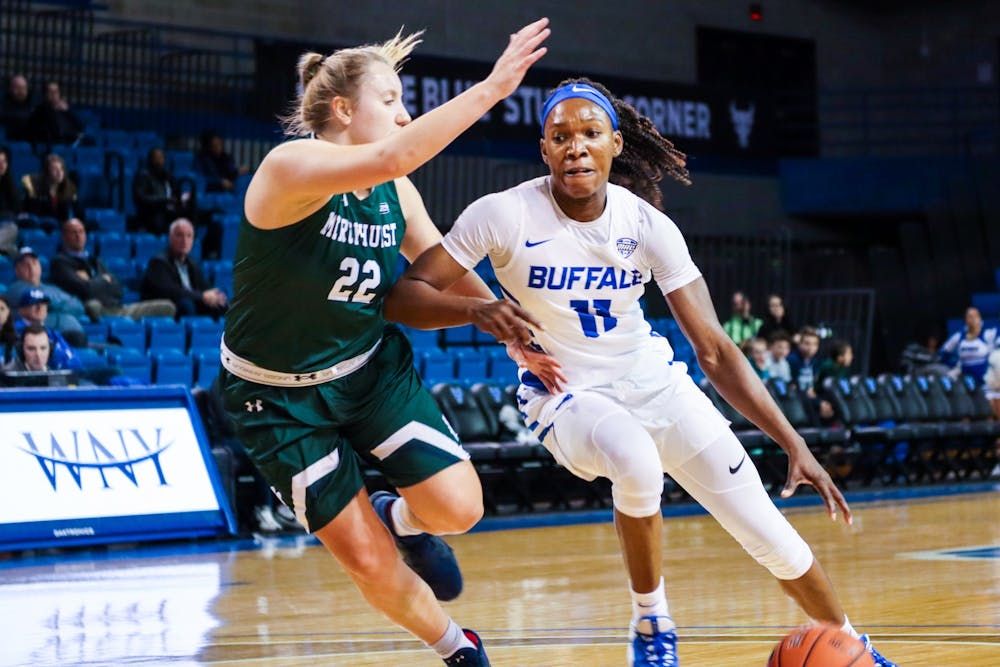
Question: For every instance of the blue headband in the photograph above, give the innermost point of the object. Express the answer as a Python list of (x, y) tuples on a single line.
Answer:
[(580, 90)]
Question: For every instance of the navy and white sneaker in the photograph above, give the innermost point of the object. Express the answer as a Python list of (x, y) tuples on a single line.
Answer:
[(658, 648), (876, 656), (427, 555), (469, 657)]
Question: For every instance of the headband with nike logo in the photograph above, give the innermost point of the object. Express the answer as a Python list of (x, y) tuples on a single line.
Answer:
[(581, 90)]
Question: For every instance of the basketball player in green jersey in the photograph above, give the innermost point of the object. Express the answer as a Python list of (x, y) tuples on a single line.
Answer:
[(314, 380)]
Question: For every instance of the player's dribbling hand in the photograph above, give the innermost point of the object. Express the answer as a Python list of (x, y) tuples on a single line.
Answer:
[(803, 468), (522, 52), (505, 321), (544, 367)]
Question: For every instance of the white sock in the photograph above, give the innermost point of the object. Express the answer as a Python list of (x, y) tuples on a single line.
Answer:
[(451, 641), (402, 518), (650, 604), (848, 628)]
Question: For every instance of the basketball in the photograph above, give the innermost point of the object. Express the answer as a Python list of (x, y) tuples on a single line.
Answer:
[(820, 646)]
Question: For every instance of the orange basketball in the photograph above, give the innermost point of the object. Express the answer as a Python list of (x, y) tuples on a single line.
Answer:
[(820, 646)]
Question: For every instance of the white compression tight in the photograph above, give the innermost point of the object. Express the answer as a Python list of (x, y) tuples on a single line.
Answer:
[(741, 505), (599, 438)]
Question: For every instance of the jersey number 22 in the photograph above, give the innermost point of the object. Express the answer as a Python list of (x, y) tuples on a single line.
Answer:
[(347, 287)]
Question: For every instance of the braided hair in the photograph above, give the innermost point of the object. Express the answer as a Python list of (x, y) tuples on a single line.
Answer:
[(646, 155)]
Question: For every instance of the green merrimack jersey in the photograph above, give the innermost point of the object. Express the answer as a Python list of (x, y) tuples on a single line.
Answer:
[(309, 295)]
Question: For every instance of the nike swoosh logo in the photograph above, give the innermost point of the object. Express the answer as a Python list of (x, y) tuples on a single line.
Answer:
[(575, 89), (732, 470), (529, 244)]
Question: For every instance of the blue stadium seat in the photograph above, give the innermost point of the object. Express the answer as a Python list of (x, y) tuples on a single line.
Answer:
[(179, 162), (121, 268), (421, 339), (223, 202), (143, 140), (22, 159), (129, 333), (114, 244), (132, 363), (92, 186), (106, 219), (464, 335), (43, 243), (206, 366), (90, 358), (437, 364), (230, 227), (221, 274), (171, 366), (202, 332), (84, 156), (472, 365), (163, 333), (146, 245), (503, 370), (115, 138), (97, 332), (6, 273)]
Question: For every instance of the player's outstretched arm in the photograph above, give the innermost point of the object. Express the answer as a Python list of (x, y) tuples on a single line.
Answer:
[(728, 370), (311, 168)]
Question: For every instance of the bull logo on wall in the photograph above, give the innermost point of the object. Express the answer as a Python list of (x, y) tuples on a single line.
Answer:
[(742, 123)]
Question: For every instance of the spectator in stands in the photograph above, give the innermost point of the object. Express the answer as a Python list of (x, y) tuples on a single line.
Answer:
[(838, 362), (86, 277), (158, 200), (34, 310), (216, 165), (64, 310), (922, 357), (50, 193), (34, 350), (803, 362), (17, 108), (776, 318), (10, 205), (620, 412), (971, 347), (8, 334), (755, 350), (52, 121), (10, 198), (742, 324), (176, 276), (779, 345)]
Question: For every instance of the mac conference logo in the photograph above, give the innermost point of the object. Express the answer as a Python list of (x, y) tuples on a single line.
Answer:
[(98, 459)]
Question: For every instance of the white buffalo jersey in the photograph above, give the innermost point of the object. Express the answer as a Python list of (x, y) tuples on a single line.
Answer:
[(582, 280)]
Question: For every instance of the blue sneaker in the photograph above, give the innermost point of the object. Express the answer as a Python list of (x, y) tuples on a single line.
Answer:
[(657, 649), (427, 555), (876, 656), (469, 657)]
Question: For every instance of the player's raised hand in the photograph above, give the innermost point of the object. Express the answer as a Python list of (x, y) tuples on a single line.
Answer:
[(522, 52)]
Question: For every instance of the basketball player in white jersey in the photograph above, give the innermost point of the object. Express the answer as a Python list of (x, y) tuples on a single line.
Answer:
[(574, 250), (972, 345)]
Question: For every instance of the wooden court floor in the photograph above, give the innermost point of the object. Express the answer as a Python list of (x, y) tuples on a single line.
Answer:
[(923, 576)]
